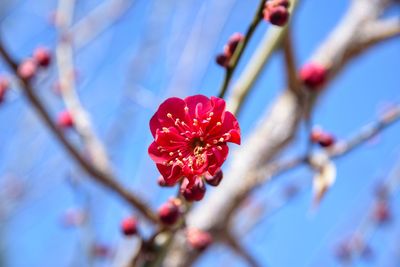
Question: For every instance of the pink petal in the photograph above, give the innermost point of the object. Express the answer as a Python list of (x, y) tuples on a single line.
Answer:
[(199, 105), (154, 124), (172, 174), (230, 125), (170, 139), (173, 106), (218, 106), (156, 155), (216, 158)]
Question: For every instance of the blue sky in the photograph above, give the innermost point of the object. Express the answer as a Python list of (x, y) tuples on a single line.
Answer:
[(121, 91)]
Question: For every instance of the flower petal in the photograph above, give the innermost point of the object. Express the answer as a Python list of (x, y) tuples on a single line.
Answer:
[(199, 106), (218, 107), (156, 155), (172, 174), (230, 125), (217, 157), (171, 109), (169, 138), (154, 124)]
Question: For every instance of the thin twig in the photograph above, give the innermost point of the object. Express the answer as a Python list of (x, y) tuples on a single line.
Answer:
[(268, 45), (234, 244), (234, 61), (340, 149), (65, 62)]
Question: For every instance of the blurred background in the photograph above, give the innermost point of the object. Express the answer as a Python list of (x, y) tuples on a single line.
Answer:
[(129, 56)]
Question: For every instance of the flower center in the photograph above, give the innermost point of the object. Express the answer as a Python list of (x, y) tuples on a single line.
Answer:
[(198, 147)]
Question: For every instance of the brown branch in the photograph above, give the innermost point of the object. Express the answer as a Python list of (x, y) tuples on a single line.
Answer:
[(235, 245), (107, 180), (65, 62)]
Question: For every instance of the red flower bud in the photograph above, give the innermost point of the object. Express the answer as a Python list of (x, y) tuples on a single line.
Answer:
[(129, 226), (198, 239), (27, 69), (222, 60), (324, 139), (232, 44), (381, 213), (4, 86), (216, 179), (276, 14), (194, 192), (327, 140), (284, 3), (313, 75), (42, 56), (65, 119), (169, 212)]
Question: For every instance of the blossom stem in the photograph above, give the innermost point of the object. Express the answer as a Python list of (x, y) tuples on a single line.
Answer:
[(233, 62)]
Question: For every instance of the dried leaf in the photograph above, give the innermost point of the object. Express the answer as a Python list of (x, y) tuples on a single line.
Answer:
[(324, 178)]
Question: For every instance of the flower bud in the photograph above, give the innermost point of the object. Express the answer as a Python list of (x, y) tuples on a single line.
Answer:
[(382, 213), (313, 75), (65, 119), (193, 192), (284, 3), (169, 212), (198, 239), (4, 86), (276, 15), (327, 140), (27, 69), (222, 60), (232, 44), (42, 56), (324, 139), (216, 179), (129, 226)]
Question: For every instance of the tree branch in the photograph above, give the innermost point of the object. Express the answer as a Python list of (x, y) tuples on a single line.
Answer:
[(65, 58), (107, 180), (290, 63), (234, 244)]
